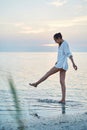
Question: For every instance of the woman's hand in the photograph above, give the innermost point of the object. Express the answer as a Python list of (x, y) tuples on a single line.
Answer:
[(74, 66)]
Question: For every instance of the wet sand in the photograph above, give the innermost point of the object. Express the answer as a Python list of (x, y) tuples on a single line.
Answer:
[(36, 122)]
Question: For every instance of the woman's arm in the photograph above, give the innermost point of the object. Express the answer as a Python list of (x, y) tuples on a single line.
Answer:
[(74, 66), (69, 54)]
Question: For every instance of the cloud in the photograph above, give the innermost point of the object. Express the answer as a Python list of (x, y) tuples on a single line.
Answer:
[(22, 28), (50, 26), (58, 3), (12, 23), (29, 30), (82, 20), (19, 24), (47, 26)]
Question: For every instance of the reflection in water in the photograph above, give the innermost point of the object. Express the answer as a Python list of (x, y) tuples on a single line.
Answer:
[(63, 108)]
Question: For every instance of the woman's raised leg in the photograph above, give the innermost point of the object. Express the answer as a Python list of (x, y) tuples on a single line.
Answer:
[(52, 71)]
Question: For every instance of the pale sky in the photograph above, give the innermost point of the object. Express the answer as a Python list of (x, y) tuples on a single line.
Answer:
[(29, 25)]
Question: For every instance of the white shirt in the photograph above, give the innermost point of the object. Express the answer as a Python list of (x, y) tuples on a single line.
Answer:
[(63, 53)]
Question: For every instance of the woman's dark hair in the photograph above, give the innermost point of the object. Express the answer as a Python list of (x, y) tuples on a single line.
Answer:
[(58, 35)]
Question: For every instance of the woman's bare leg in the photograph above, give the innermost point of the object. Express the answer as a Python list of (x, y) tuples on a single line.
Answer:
[(49, 73), (63, 87)]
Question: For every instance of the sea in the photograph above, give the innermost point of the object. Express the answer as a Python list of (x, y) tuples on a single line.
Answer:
[(27, 67)]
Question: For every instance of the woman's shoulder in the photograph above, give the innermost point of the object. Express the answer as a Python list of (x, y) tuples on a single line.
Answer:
[(65, 43)]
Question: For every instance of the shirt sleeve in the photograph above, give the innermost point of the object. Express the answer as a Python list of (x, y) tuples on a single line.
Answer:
[(67, 51)]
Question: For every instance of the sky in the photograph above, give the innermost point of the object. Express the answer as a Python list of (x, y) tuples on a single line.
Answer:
[(29, 25)]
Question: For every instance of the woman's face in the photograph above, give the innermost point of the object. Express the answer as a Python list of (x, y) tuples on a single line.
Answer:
[(57, 40)]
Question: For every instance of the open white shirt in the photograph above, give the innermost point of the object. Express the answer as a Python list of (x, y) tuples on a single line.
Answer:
[(63, 53)]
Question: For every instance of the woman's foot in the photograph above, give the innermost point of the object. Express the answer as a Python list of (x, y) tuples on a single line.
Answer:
[(62, 101), (33, 84)]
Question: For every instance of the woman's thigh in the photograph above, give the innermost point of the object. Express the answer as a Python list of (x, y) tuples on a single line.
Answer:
[(62, 75), (52, 71)]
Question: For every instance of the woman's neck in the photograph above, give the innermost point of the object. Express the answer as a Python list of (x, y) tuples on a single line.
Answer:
[(61, 42)]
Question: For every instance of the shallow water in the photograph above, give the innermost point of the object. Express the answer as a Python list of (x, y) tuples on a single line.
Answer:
[(41, 101)]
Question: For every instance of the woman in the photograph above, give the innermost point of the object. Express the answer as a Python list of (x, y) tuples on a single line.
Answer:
[(60, 66)]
